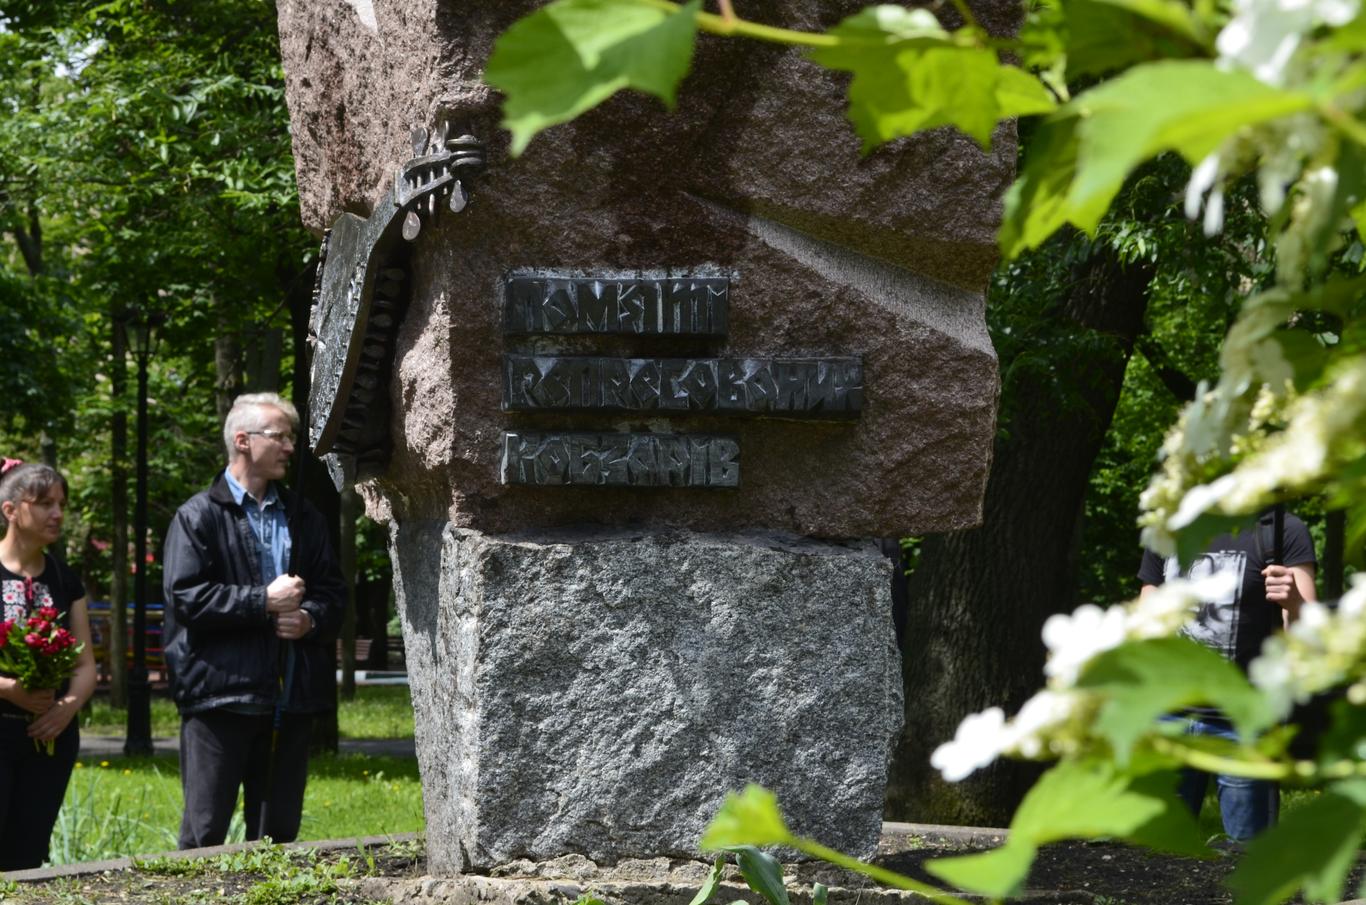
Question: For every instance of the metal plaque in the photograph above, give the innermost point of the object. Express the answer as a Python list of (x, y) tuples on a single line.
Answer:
[(353, 319), (610, 459), (663, 306), (777, 387)]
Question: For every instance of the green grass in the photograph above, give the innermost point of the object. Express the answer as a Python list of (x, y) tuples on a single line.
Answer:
[(131, 806), (101, 719), (378, 711)]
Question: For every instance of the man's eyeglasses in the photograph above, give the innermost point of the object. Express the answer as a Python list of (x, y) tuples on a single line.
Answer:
[(278, 436)]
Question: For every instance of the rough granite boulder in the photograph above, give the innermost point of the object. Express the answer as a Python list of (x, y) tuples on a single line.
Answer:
[(599, 694), (756, 176)]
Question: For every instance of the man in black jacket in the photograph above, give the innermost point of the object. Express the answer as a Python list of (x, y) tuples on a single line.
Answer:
[(254, 599)]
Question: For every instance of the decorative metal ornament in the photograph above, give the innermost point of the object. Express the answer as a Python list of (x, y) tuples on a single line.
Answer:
[(359, 292)]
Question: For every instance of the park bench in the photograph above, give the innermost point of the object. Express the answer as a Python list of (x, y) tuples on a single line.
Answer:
[(99, 614)]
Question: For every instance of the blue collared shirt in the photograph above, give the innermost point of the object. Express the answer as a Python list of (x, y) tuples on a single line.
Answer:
[(270, 525)]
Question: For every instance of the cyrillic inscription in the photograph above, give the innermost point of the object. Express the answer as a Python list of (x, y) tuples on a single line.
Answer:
[(620, 459), (805, 387), (673, 306)]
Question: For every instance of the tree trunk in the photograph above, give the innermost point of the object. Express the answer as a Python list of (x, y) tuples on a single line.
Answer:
[(48, 450), (118, 587), (29, 238), (978, 598), (350, 509), (264, 355), (227, 363)]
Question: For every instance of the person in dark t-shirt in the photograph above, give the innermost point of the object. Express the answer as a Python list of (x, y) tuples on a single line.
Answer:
[(38, 735), (1265, 597)]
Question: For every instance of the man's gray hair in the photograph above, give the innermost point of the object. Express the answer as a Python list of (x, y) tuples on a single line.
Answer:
[(246, 415)]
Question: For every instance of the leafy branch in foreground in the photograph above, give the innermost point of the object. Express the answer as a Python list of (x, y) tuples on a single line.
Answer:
[(752, 819), (1269, 91)]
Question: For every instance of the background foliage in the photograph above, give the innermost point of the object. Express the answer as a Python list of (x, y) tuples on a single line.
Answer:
[(144, 166)]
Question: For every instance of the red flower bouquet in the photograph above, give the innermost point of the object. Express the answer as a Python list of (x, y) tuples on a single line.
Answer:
[(38, 652)]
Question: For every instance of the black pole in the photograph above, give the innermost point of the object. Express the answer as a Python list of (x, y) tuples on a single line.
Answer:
[(1278, 534), (139, 738)]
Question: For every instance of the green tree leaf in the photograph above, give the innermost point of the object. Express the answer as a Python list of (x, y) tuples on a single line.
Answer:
[(711, 884), (998, 873), (1145, 679), (749, 818), (1312, 847), (1108, 35), (1346, 735), (1082, 154), (1079, 800), (909, 76), (571, 55), (762, 872), (1019, 93), (1095, 799)]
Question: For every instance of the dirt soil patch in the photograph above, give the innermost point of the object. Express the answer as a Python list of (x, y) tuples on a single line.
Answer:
[(277, 875), (1069, 872), (1106, 872)]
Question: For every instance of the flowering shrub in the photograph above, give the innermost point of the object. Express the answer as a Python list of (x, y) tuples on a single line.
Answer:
[(1271, 89)]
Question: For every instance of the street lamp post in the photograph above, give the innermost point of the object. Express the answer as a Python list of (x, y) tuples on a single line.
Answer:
[(139, 737)]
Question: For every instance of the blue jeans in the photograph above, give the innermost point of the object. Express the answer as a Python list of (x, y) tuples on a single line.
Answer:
[(1247, 806)]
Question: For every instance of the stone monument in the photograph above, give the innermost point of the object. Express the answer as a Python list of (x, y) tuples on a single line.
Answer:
[(632, 405)]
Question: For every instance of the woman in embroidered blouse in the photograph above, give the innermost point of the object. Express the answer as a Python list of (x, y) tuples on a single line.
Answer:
[(32, 781)]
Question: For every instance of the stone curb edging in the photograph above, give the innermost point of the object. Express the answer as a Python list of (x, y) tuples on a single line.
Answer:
[(88, 868), (421, 889), (986, 835), (982, 834)]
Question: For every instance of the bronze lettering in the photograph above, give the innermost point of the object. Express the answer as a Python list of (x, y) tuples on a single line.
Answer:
[(585, 459), (675, 306), (793, 388)]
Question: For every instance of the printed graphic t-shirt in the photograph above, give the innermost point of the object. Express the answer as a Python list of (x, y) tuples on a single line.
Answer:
[(1237, 624), (57, 586)]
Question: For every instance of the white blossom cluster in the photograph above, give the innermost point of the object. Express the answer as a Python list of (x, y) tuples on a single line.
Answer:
[(1306, 451), (1053, 721), (1262, 38), (1322, 649), (1294, 158)]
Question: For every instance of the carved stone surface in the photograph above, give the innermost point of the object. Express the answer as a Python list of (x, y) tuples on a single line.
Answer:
[(599, 694), (755, 178), (620, 460), (660, 306), (783, 387)]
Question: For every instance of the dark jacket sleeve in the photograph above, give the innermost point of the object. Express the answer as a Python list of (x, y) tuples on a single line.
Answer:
[(324, 587), (1152, 569), (198, 599)]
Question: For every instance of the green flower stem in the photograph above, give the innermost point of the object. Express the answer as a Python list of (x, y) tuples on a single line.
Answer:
[(728, 24), (723, 25), (968, 18), (1216, 763), (880, 874), (1299, 772), (1344, 123)]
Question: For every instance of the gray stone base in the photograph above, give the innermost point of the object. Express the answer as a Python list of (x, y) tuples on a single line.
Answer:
[(656, 881), (599, 695), (665, 881)]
